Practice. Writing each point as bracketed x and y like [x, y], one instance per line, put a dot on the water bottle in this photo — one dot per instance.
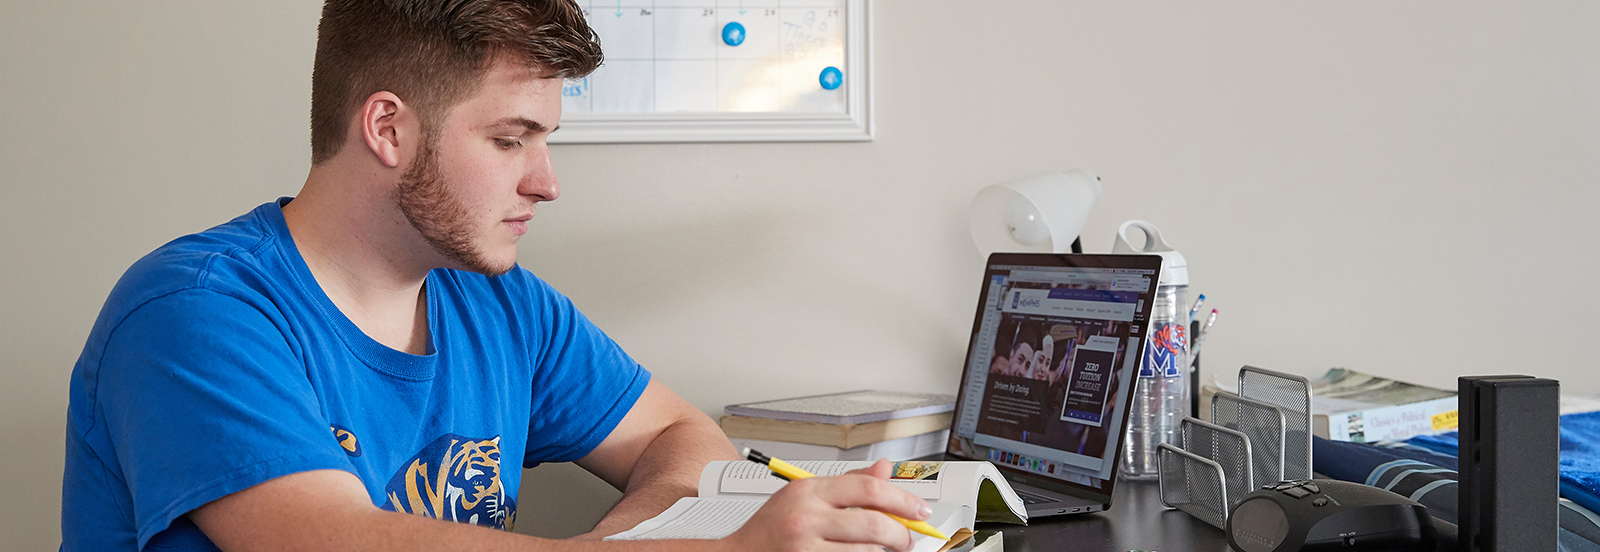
[1161, 392]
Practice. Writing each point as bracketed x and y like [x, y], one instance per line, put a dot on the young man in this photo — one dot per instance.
[344, 370]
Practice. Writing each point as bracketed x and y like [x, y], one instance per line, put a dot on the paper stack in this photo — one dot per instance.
[858, 425]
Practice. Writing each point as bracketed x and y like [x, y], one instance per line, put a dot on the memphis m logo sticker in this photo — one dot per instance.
[454, 478]
[1162, 355]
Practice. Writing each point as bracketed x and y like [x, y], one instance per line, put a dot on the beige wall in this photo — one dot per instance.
[1402, 188]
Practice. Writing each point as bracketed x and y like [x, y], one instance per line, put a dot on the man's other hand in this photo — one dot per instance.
[834, 513]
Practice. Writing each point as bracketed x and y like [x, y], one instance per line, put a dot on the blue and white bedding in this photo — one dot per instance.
[1424, 469]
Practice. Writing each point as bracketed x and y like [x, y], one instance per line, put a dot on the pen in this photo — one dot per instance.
[1200, 336]
[1194, 342]
[788, 472]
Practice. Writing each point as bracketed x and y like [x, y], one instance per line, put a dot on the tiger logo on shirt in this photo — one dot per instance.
[454, 478]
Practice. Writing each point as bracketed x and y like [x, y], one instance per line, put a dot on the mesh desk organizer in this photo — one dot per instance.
[1259, 437]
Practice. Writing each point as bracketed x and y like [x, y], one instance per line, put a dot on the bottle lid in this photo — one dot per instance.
[1174, 270]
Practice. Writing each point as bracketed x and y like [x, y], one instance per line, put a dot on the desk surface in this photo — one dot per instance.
[1137, 521]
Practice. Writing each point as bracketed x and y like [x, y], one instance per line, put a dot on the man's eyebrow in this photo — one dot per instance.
[524, 122]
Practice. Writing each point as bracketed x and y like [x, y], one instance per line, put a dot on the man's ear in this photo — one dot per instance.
[384, 121]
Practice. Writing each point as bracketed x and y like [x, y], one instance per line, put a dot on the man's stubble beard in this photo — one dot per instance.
[425, 199]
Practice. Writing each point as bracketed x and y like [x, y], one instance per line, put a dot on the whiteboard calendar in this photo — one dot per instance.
[723, 70]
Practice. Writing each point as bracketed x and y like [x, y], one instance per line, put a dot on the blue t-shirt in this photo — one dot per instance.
[218, 363]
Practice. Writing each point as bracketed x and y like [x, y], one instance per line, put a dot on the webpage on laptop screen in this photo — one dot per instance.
[1050, 366]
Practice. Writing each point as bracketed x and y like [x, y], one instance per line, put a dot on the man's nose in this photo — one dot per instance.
[540, 180]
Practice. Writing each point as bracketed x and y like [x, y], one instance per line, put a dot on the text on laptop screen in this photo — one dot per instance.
[1053, 357]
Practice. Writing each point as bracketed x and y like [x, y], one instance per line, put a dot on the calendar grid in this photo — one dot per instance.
[701, 56]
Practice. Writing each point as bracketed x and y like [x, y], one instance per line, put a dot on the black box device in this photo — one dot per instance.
[1325, 514]
[1510, 458]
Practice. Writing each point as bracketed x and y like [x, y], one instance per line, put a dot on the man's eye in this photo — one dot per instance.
[507, 144]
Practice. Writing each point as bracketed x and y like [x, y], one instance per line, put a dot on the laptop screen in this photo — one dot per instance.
[1055, 349]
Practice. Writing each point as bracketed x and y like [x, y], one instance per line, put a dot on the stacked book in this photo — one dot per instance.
[1363, 408]
[858, 425]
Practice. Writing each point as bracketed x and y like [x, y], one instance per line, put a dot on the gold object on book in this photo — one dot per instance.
[834, 435]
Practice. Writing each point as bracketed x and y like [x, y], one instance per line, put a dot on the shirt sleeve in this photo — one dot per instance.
[202, 397]
[583, 382]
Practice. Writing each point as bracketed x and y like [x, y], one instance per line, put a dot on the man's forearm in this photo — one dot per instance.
[330, 510]
[669, 469]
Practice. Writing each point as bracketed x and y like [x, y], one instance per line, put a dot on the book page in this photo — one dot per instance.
[949, 518]
[927, 480]
[715, 518]
[740, 477]
[732, 491]
[960, 481]
[935, 482]
[748, 479]
[695, 518]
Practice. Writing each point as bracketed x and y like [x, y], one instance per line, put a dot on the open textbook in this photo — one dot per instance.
[960, 494]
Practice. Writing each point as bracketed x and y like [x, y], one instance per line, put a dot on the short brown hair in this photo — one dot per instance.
[433, 53]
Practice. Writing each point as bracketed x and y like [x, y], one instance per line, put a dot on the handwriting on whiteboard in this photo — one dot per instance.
[809, 34]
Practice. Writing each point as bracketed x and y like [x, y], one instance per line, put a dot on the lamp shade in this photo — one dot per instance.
[1040, 213]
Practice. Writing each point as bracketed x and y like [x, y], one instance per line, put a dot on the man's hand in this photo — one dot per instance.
[826, 513]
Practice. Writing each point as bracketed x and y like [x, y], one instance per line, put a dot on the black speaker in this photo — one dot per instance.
[1327, 515]
[1510, 455]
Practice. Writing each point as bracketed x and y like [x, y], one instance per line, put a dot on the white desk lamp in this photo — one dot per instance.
[1040, 213]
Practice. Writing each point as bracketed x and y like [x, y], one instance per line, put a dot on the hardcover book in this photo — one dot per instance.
[1363, 408]
[834, 435]
[904, 448]
[853, 407]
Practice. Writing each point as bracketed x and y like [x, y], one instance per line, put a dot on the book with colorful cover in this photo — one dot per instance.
[1363, 408]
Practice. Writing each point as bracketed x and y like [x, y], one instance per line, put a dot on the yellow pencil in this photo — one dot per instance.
[790, 472]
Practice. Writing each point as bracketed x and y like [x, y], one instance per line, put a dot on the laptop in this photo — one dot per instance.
[1048, 384]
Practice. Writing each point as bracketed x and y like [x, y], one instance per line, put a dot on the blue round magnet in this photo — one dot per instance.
[732, 34]
[831, 78]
